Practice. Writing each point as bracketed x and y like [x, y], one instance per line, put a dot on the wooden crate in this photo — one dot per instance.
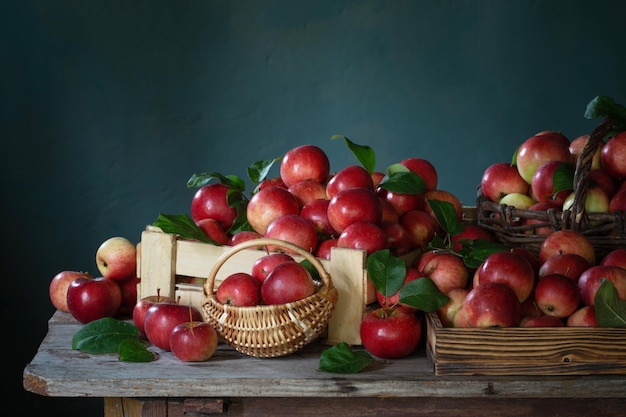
[525, 351]
[166, 262]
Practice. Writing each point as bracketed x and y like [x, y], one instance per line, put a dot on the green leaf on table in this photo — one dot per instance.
[134, 350]
[341, 359]
[364, 154]
[103, 335]
[182, 225]
[403, 182]
[422, 293]
[203, 178]
[386, 271]
[610, 309]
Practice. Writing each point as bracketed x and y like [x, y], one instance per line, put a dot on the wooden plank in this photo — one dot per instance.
[158, 260]
[58, 371]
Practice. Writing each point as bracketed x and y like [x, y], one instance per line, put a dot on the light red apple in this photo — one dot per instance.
[509, 269]
[518, 200]
[308, 190]
[589, 282]
[366, 236]
[244, 236]
[286, 283]
[500, 179]
[616, 257]
[447, 312]
[295, 229]
[567, 241]
[116, 258]
[304, 162]
[585, 316]
[538, 149]
[324, 248]
[446, 270]
[141, 308]
[59, 285]
[599, 177]
[316, 212]
[421, 227]
[596, 201]
[352, 176]
[214, 230]
[269, 204]
[557, 295]
[576, 147]
[444, 195]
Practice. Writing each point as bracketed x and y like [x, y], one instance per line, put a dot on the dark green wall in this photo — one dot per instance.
[108, 107]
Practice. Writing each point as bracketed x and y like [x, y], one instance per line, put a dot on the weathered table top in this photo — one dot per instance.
[58, 371]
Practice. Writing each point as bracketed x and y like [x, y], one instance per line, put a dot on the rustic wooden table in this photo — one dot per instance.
[236, 385]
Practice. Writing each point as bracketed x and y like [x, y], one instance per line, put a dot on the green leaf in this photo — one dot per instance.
[103, 335]
[403, 182]
[364, 154]
[422, 293]
[341, 359]
[563, 177]
[446, 216]
[386, 271]
[315, 274]
[603, 106]
[134, 350]
[610, 309]
[182, 225]
[475, 251]
[203, 178]
[259, 170]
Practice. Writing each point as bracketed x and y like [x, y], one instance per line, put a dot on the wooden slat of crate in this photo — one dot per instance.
[525, 351]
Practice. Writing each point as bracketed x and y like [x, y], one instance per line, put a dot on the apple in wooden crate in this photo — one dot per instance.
[585, 316]
[304, 162]
[353, 205]
[590, 281]
[211, 201]
[491, 304]
[507, 268]
[269, 204]
[352, 176]
[557, 295]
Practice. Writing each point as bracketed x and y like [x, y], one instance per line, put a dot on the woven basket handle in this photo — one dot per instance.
[265, 241]
[578, 218]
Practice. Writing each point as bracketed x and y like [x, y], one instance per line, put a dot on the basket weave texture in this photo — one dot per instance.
[267, 331]
[606, 231]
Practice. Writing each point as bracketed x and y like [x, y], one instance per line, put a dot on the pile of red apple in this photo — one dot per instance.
[317, 209]
[542, 172]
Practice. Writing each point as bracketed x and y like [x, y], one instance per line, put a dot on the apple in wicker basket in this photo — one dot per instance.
[287, 282]
[239, 289]
[265, 264]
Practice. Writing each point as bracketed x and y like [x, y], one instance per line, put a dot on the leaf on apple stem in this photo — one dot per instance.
[403, 182]
[182, 225]
[364, 154]
[201, 179]
[610, 309]
[423, 294]
[386, 271]
[342, 359]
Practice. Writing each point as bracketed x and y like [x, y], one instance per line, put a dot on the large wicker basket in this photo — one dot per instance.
[606, 231]
[266, 331]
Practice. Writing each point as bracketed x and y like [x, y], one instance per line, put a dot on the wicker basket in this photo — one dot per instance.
[606, 231]
[267, 331]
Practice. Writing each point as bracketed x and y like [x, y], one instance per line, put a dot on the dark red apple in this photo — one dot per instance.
[541, 321]
[128, 287]
[577, 145]
[614, 156]
[304, 162]
[618, 201]
[324, 248]
[401, 202]
[287, 282]
[471, 232]
[392, 333]
[540, 226]
[571, 265]
[353, 205]
[604, 180]
[210, 201]
[93, 299]
[557, 295]
[161, 318]
[589, 282]
[352, 176]
[264, 265]
[142, 306]
[193, 341]
[366, 236]
[239, 289]
[543, 182]
[244, 236]
[398, 239]
[394, 299]
[616, 257]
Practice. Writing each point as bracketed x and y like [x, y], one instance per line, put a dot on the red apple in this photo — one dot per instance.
[214, 230]
[555, 135]
[264, 265]
[447, 196]
[589, 282]
[567, 241]
[142, 306]
[576, 147]
[295, 229]
[353, 205]
[599, 177]
[470, 233]
[425, 169]
[316, 212]
[447, 312]
[618, 201]
[596, 201]
[211, 201]
[507, 268]
[529, 307]
[324, 248]
[445, 269]
[539, 226]
[538, 149]
[392, 333]
[557, 295]
[401, 202]
[286, 283]
[489, 305]
[244, 236]
[366, 236]
[614, 156]
[394, 299]
[616, 257]
[389, 213]
[571, 265]
[269, 204]
[193, 341]
[377, 177]
[59, 285]
[308, 190]
[543, 181]
[500, 179]
[352, 176]
[93, 299]
[527, 254]
[583, 317]
[271, 182]
[398, 239]
[239, 289]
[128, 287]
[421, 227]
[541, 321]
[304, 162]
[161, 318]
[116, 258]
